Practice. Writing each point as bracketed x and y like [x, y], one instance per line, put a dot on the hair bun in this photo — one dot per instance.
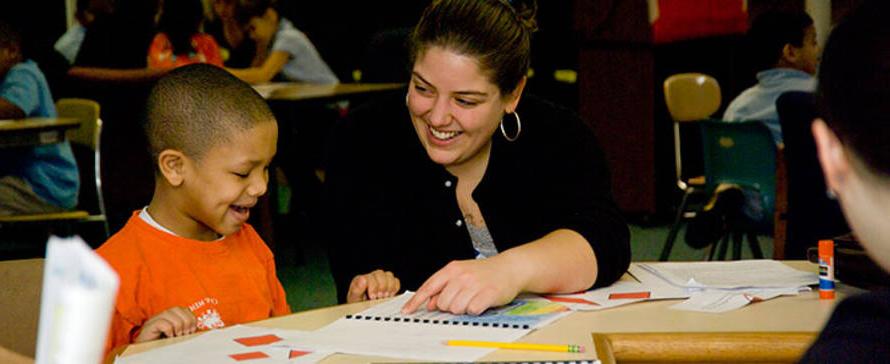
[526, 11]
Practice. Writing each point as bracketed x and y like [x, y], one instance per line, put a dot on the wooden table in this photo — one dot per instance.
[34, 131]
[295, 91]
[804, 314]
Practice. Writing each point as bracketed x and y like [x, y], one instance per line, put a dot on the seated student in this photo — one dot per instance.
[782, 46]
[280, 47]
[784, 50]
[188, 261]
[68, 45]
[238, 50]
[446, 191]
[854, 89]
[179, 40]
[38, 179]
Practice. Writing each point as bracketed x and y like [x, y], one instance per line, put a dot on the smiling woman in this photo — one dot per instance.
[458, 198]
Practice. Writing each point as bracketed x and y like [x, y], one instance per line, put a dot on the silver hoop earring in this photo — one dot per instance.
[406, 99]
[518, 128]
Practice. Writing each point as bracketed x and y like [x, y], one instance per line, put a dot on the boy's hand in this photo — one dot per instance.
[374, 285]
[175, 321]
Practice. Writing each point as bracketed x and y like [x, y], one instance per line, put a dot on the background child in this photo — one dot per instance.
[180, 41]
[35, 179]
[784, 51]
[280, 47]
[189, 261]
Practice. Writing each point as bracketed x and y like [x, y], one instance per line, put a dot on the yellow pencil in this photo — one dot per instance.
[517, 346]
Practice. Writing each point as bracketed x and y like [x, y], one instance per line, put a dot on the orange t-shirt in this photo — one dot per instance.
[224, 282]
[160, 53]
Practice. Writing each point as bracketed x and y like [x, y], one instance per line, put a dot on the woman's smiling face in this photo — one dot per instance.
[454, 106]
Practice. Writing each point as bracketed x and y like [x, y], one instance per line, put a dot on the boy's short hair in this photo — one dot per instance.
[196, 107]
[854, 84]
[771, 31]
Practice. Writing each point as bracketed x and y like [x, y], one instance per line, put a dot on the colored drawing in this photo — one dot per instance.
[533, 308]
[297, 353]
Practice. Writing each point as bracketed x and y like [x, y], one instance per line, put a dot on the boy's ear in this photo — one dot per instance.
[172, 165]
[790, 54]
[832, 156]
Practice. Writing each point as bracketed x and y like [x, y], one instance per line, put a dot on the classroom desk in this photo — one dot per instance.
[295, 91]
[34, 131]
[799, 314]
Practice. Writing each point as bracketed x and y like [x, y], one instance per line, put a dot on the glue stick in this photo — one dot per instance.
[826, 269]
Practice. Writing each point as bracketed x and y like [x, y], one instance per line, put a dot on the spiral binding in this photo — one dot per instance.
[438, 322]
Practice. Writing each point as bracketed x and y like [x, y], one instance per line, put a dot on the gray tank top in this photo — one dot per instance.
[482, 241]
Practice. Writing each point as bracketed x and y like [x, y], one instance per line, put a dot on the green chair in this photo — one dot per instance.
[743, 154]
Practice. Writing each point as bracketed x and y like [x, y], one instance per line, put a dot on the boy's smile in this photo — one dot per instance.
[219, 188]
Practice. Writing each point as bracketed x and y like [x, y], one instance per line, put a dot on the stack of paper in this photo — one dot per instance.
[709, 286]
[76, 303]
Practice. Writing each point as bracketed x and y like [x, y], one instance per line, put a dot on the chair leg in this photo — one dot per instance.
[737, 241]
[724, 245]
[672, 234]
[755, 246]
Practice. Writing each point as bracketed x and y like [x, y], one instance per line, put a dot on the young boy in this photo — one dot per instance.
[39, 179]
[853, 95]
[188, 261]
[785, 53]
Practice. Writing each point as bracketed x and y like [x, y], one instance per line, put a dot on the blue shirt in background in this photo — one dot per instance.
[305, 64]
[759, 101]
[50, 170]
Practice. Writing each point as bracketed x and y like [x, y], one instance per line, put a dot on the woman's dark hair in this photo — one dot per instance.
[854, 84]
[771, 31]
[180, 20]
[248, 9]
[495, 32]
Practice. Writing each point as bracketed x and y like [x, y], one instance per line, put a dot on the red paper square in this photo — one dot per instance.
[249, 356]
[258, 340]
[628, 295]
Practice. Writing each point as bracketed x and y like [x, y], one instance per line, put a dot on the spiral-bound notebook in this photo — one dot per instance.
[383, 331]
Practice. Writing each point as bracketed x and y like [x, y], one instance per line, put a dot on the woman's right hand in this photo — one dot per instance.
[374, 285]
[175, 321]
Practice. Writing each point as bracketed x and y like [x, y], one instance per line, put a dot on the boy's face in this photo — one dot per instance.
[809, 52]
[227, 181]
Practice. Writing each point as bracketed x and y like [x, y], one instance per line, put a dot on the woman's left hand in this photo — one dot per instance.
[466, 287]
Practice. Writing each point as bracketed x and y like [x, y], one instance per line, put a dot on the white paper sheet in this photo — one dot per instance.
[220, 346]
[618, 294]
[79, 289]
[717, 301]
[741, 274]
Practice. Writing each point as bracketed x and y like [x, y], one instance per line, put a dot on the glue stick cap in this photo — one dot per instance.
[826, 247]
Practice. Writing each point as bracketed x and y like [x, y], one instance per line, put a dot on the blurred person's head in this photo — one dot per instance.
[260, 18]
[10, 47]
[852, 138]
[783, 40]
[180, 20]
